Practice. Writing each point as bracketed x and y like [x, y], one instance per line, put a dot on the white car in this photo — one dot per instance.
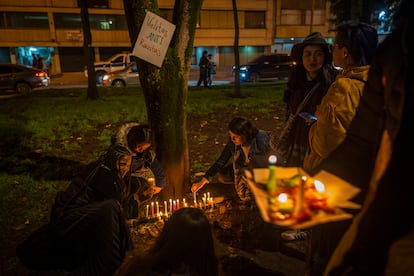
[125, 77]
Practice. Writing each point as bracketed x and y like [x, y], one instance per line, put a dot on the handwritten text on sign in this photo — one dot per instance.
[153, 39]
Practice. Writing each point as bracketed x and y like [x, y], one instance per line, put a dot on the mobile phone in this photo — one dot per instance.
[308, 117]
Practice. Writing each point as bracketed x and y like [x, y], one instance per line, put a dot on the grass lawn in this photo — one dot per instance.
[49, 134]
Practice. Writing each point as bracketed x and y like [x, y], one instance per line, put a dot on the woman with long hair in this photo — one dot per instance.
[185, 246]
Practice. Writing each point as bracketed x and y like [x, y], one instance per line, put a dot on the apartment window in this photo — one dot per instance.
[216, 19]
[96, 4]
[67, 21]
[30, 20]
[254, 19]
[318, 17]
[96, 21]
[291, 17]
[107, 22]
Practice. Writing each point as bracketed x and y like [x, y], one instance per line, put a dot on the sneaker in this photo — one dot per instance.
[294, 235]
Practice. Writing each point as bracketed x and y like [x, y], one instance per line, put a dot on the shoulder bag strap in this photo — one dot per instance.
[289, 123]
[306, 99]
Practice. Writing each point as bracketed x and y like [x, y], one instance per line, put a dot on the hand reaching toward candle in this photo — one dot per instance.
[197, 186]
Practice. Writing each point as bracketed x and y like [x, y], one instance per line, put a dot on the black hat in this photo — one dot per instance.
[314, 38]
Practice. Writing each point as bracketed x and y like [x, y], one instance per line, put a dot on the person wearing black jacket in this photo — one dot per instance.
[88, 232]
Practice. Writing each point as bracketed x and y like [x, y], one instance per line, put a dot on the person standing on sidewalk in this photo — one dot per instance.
[211, 70]
[204, 63]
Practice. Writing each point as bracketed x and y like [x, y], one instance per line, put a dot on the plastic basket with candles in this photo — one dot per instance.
[287, 196]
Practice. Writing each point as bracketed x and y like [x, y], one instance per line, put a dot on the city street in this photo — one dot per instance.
[78, 79]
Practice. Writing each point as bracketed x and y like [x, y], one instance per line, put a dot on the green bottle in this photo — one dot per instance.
[271, 181]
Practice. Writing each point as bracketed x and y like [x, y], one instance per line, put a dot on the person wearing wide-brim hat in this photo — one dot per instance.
[313, 72]
[314, 38]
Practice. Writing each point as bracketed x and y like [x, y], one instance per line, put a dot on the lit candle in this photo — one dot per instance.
[285, 203]
[147, 212]
[184, 203]
[318, 199]
[212, 202]
[158, 209]
[204, 200]
[152, 209]
[151, 181]
[171, 208]
[319, 186]
[174, 205]
[208, 195]
[195, 196]
[178, 204]
[165, 207]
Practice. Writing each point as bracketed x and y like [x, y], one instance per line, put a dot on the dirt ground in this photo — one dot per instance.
[245, 244]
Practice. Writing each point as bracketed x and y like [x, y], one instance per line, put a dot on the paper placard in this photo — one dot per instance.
[153, 39]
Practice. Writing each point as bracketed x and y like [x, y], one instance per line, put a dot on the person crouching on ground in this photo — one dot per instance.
[88, 231]
[248, 147]
[147, 175]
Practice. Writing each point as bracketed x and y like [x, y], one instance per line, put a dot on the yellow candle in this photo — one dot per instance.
[300, 195]
[285, 203]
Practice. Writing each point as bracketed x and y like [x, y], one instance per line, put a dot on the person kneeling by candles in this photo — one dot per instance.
[146, 175]
[87, 233]
[248, 147]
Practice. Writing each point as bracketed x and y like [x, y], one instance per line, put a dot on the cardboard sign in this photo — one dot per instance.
[153, 39]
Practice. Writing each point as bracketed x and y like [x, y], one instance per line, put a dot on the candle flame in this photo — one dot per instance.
[272, 159]
[319, 186]
[283, 197]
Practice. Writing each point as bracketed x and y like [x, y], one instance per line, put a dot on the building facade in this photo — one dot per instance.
[53, 29]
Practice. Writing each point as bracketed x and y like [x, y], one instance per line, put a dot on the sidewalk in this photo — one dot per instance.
[223, 76]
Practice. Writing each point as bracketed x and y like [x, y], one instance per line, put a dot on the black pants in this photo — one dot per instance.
[203, 76]
[92, 239]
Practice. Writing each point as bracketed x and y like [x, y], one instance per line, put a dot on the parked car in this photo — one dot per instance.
[114, 63]
[266, 67]
[22, 79]
[125, 77]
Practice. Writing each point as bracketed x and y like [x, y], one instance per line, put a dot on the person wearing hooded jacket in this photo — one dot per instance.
[146, 175]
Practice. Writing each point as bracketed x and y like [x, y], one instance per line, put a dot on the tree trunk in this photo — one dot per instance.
[166, 88]
[236, 52]
[88, 51]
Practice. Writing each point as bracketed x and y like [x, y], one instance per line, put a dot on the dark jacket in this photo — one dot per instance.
[258, 155]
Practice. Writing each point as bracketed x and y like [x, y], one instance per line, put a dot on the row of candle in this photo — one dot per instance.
[206, 202]
[154, 210]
